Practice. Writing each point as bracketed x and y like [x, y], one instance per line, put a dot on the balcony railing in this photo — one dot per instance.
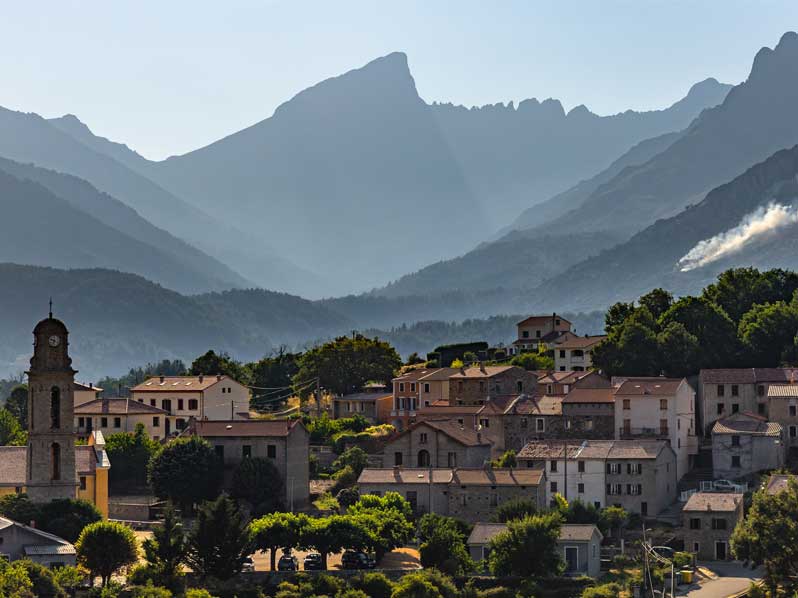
[626, 432]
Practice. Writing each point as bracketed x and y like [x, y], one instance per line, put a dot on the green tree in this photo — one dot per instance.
[212, 363]
[767, 537]
[219, 541]
[130, 454]
[578, 511]
[105, 547]
[617, 315]
[19, 508]
[186, 471]
[354, 457]
[679, 350]
[258, 481]
[66, 517]
[428, 583]
[14, 580]
[43, 581]
[613, 519]
[470, 357]
[631, 348]
[374, 585]
[737, 290]
[69, 578]
[414, 359]
[347, 497]
[11, 432]
[767, 331]
[715, 331]
[533, 361]
[346, 364]
[17, 404]
[272, 373]
[166, 551]
[333, 534]
[528, 548]
[507, 459]
[517, 508]
[657, 302]
[444, 548]
[278, 531]
[386, 518]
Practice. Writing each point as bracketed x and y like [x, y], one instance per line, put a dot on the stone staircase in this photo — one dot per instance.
[692, 480]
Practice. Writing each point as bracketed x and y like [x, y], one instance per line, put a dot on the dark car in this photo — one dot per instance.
[312, 562]
[287, 562]
[352, 559]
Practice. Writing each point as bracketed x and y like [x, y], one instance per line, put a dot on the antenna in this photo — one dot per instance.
[51, 308]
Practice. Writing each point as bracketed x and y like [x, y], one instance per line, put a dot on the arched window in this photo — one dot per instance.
[423, 458]
[55, 407]
[55, 461]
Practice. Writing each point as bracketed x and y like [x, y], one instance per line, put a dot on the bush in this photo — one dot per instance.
[375, 585]
[347, 497]
[198, 593]
[344, 478]
[682, 559]
[148, 591]
[607, 590]
[67, 517]
[43, 580]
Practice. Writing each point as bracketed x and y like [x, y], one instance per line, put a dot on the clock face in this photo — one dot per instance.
[54, 341]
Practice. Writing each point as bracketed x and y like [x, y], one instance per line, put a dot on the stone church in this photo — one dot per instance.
[51, 466]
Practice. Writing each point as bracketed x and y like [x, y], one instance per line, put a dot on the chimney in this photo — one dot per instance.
[482, 367]
[201, 378]
[162, 378]
[218, 377]
[479, 436]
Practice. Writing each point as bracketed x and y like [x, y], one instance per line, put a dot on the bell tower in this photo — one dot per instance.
[51, 435]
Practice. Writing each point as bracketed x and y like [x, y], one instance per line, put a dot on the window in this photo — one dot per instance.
[721, 408]
[663, 404]
[55, 461]
[760, 390]
[152, 402]
[81, 422]
[104, 422]
[735, 390]
[721, 390]
[423, 458]
[519, 386]
[760, 409]
[695, 523]
[580, 466]
[588, 424]
[735, 407]
[562, 353]
[614, 468]
[459, 386]
[553, 487]
[422, 438]
[193, 404]
[484, 422]
[219, 450]
[117, 422]
[401, 387]
[460, 420]
[83, 482]
[719, 524]
[634, 468]
[412, 387]
[553, 466]
[426, 387]
[481, 386]
[735, 441]
[180, 423]
[537, 333]
[166, 404]
[271, 451]
[246, 451]
[156, 422]
[580, 488]
[494, 500]
[627, 404]
[525, 334]
[55, 407]
[548, 389]
[663, 427]
[451, 459]
[540, 424]
[736, 461]
[397, 458]
[180, 404]
[792, 410]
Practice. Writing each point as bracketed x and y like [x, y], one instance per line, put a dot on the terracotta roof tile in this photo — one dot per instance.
[487, 371]
[581, 342]
[178, 383]
[720, 502]
[541, 319]
[748, 375]
[746, 423]
[464, 434]
[590, 395]
[542, 405]
[400, 475]
[250, 428]
[117, 406]
[497, 477]
[655, 386]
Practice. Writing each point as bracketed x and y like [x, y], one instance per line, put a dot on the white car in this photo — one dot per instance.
[724, 486]
[248, 566]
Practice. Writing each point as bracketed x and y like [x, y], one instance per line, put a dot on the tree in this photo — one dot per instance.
[14, 580]
[17, 404]
[737, 290]
[278, 531]
[67, 517]
[186, 471]
[528, 548]
[427, 583]
[767, 537]
[212, 363]
[470, 357]
[332, 534]
[19, 508]
[105, 547]
[444, 547]
[766, 331]
[414, 359]
[578, 511]
[166, 550]
[507, 459]
[354, 457]
[130, 454]
[386, 518]
[374, 585]
[533, 361]
[346, 364]
[616, 315]
[220, 540]
[517, 508]
[69, 578]
[11, 432]
[715, 331]
[657, 301]
[274, 372]
[258, 481]
[679, 350]
[347, 497]
[613, 519]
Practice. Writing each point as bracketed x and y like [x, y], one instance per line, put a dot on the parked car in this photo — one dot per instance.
[666, 552]
[352, 559]
[312, 562]
[724, 486]
[248, 566]
[288, 562]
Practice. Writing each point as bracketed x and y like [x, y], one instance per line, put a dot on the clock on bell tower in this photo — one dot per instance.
[51, 435]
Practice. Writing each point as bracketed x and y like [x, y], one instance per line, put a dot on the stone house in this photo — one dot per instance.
[532, 418]
[475, 385]
[114, 415]
[219, 398]
[561, 383]
[437, 443]
[18, 541]
[579, 545]
[724, 392]
[469, 494]
[638, 475]
[589, 413]
[575, 354]
[536, 330]
[783, 409]
[366, 404]
[744, 443]
[284, 442]
[658, 408]
[709, 518]
[411, 393]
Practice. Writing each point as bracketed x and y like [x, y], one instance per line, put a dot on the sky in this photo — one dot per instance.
[167, 77]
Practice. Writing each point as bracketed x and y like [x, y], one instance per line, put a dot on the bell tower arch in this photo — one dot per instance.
[51, 435]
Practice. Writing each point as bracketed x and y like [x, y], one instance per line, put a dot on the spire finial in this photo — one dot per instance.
[51, 308]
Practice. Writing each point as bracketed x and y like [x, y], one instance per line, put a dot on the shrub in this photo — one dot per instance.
[607, 590]
[67, 517]
[682, 559]
[43, 580]
[375, 585]
[198, 593]
[148, 591]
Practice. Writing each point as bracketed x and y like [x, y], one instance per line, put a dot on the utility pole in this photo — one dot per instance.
[318, 397]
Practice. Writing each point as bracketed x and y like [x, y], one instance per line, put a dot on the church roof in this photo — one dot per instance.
[13, 463]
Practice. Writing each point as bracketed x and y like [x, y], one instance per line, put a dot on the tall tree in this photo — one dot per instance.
[130, 454]
[657, 302]
[220, 540]
[678, 350]
[186, 471]
[528, 548]
[166, 550]
[11, 432]
[272, 373]
[258, 481]
[346, 364]
[767, 331]
[17, 404]
[332, 534]
[278, 531]
[212, 363]
[105, 547]
[715, 331]
[67, 517]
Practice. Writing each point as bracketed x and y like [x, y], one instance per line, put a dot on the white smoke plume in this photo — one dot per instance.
[760, 223]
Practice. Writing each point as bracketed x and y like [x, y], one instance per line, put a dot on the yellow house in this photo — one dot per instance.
[91, 469]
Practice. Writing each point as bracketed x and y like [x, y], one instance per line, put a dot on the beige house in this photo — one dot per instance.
[114, 415]
[475, 385]
[709, 518]
[201, 397]
[437, 443]
[658, 408]
[744, 443]
[536, 330]
[561, 383]
[783, 409]
[589, 412]
[575, 354]
[284, 442]
[84, 393]
[18, 541]
[366, 404]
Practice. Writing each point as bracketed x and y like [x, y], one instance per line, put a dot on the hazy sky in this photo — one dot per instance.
[169, 76]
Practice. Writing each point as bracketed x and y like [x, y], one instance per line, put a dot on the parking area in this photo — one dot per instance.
[401, 558]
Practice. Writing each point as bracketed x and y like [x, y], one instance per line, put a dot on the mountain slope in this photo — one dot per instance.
[117, 320]
[191, 270]
[652, 257]
[514, 157]
[757, 118]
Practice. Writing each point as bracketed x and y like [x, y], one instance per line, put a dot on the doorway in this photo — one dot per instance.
[720, 551]
[571, 559]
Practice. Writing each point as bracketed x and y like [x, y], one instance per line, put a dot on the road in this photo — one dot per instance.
[401, 558]
[732, 579]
